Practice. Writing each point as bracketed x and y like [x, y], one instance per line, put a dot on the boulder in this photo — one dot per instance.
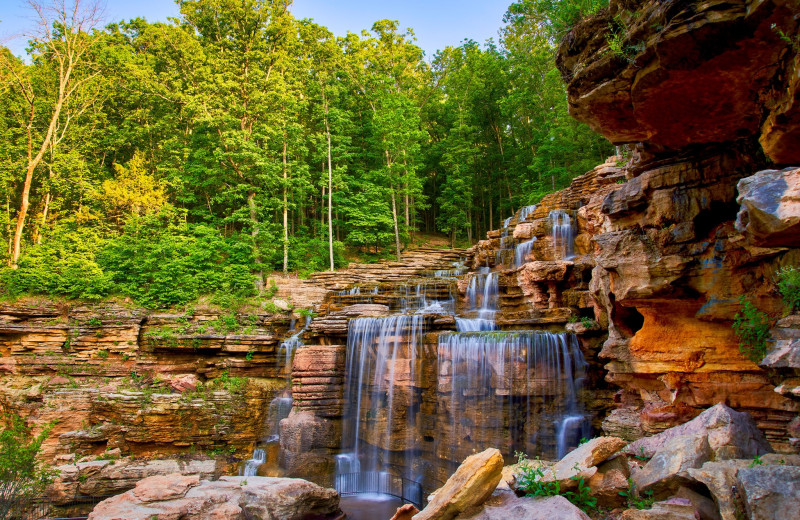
[611, 479]
[507, 506]
[769, 214]
[771, 492]
[667, 470]
[730, 434]
[705, 506]
[672, 509]
[587, 455]
[720, 479]
[231, 498]
[524, 231]
[471, 484]
[405, 512]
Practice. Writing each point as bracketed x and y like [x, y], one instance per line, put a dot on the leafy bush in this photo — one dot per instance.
[752, 328]
[788, 280]
[64, 264]
[168, 263]
[530, 479]
[635, 499]
[22, 477]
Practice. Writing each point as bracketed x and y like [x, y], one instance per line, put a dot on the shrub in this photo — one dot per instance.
[752, 328]
[788, 280]
[22, 477]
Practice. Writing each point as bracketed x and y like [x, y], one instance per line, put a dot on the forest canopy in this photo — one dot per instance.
[164, 161]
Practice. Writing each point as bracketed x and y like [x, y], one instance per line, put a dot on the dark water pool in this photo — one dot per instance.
[370, 506]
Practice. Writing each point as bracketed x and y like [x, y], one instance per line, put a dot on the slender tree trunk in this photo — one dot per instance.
[251, 204]
[285, 212]
[330, 188]
[396, 228]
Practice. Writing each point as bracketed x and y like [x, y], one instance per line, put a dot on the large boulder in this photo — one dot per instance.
[771, 492]
[587, 455]
[769, 215]
[718, 433]
[471, 485]
[507, 506]
[730, 434]
[720, 479]
[186, 497]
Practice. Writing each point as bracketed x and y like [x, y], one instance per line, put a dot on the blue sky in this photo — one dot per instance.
[436, 23]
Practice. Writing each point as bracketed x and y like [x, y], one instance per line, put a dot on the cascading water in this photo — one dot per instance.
[526, 211]
[250, 468]
[482, 299]
[563, 234]
[381, 365]
[499, 381]
[522, 251]
[515, 390]
[281, 405]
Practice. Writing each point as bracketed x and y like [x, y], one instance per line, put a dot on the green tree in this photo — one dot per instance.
[22, 476]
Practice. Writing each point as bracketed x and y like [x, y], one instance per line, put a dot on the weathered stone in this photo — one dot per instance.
[611, 479]
[110, 477]
[720, 479]
[730, 435]
[586, 456]
[308, 445]
[664, 86]
[507, 506]
[405, 512]
[471, 484]
[771, 492]
[666, 471]
[230, 498]
[704, 506]
[770, 208]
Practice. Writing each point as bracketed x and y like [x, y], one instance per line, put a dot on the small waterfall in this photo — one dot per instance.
[381, 361]
[563, 234]
[430, 295]
[290, 345]
[522, 251]
[279, 409]
[525, 212]
[481, 295]
[250, 468]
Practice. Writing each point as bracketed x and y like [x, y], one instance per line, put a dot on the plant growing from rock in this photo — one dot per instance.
[22, 477]
[788, 281]
[636, 500]
[752, 328]
[529, 478]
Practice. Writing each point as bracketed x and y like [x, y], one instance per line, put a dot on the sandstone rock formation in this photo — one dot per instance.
[471, 484]
[231, 498]
[506, 506]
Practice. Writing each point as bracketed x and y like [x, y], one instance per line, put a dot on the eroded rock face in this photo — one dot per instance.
[687, 73]
[231, 498]
[771, 492]
[770, 208]
[507, 505]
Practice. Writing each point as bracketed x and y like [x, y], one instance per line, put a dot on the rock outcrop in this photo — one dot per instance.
[231, 498]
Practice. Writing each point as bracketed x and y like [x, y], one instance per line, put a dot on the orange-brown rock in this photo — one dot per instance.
[686, 73]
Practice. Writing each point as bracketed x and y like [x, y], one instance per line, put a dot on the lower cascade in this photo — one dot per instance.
[419, 399]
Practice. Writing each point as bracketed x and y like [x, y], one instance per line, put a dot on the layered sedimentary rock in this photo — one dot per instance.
[701, 94]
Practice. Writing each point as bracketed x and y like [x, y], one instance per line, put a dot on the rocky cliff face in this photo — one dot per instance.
[703, 96]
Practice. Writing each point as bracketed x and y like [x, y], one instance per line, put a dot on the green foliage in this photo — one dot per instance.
[788, 280]
[529, 478]
[756, 462]
[637, 500]
[22, 476]
[752, 328]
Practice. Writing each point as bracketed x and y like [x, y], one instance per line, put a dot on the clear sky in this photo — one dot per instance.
[436, 23]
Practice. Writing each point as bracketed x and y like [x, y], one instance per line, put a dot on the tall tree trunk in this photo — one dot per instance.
[251, 204]
[330, 188]
[285, 212]
[394, 209]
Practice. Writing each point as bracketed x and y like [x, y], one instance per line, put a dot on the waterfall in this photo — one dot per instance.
[522, 251]
[481, 295]
[279, 409]
[250, 468]
[525, 212]
[381, 360]
[563, 234]
[517, 386]
[289, 346]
